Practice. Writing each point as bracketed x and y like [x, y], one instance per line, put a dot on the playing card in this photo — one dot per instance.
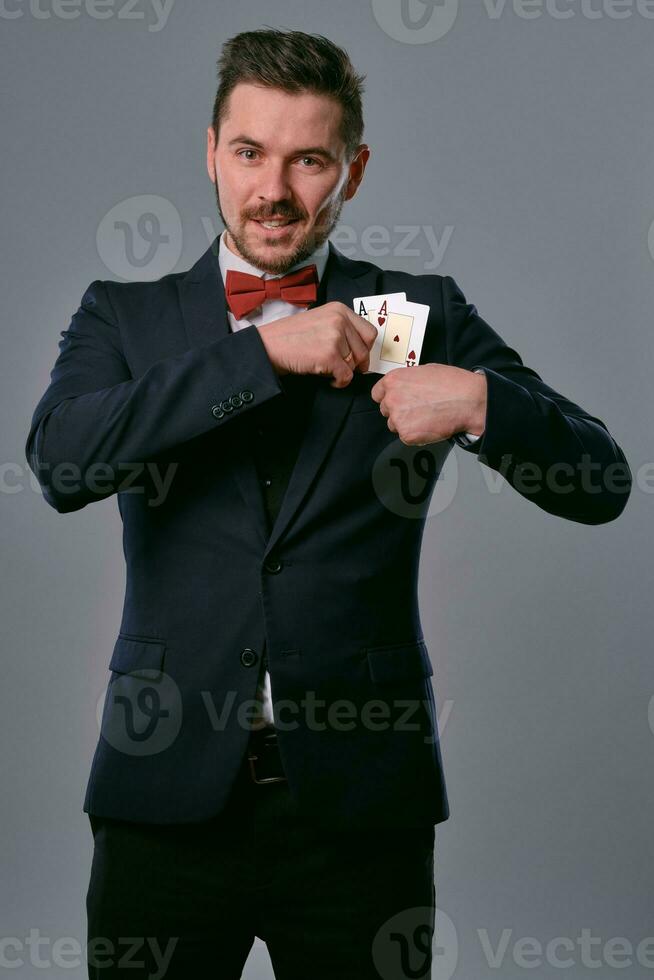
[400, 327]
[375, 308]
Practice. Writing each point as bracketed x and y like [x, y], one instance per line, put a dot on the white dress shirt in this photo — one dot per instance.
[271, 310]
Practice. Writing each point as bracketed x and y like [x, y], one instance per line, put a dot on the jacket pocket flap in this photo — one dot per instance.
[399, 661]
[130, 655]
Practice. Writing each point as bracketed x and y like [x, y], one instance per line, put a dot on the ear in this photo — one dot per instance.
[357, 167]
[211, 151]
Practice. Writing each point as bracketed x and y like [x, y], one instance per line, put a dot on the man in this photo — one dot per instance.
[269, 762]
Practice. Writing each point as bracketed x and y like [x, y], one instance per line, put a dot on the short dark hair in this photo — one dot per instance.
[292, 61]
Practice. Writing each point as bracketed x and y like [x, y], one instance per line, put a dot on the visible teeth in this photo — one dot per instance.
[274, 224]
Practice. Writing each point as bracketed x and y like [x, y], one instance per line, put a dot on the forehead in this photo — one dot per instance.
[282, 119]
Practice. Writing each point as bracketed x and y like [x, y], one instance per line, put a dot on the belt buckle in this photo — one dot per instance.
[253, 757]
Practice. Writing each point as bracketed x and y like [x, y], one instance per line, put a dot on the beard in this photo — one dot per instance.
[302, 249]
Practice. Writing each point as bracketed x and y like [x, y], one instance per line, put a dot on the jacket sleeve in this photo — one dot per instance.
[94, 421]
[548, 448]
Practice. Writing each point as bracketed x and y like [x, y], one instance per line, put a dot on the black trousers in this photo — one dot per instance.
[187, 900]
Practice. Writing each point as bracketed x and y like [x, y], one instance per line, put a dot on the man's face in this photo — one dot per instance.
[280, 156]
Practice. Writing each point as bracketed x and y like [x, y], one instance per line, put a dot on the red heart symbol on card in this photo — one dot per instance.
[381, 320]
[396, 339]
[412, 355]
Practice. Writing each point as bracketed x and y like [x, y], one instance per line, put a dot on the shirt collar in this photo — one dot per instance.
[229, 260]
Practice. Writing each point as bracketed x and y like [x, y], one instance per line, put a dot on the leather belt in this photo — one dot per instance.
[264, 760]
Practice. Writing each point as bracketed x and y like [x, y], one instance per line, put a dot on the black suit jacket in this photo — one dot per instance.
[150, 380]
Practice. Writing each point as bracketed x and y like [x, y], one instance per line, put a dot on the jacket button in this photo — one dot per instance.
[248, 657]
[226, 405]
[247, 395]
[217, 411]
[236, 401]
[273, 565]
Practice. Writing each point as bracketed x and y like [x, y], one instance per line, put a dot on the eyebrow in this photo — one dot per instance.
[303, 151]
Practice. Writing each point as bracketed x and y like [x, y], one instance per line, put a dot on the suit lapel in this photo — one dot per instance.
[202, 300]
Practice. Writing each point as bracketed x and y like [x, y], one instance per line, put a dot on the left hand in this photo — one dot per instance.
[431, 402]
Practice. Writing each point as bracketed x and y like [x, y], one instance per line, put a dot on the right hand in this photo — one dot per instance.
[317, 341]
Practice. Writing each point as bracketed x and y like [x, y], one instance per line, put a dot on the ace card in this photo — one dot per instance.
[400, 329]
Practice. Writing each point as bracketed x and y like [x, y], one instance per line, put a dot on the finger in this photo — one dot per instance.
[342, 374]
[359, 349]
[377, 391]
[366, 331]
[342, 370]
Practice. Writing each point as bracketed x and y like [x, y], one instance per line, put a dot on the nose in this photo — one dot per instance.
[274, 184]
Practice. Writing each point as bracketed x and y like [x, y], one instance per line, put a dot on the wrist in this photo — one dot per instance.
[476, 420]
[268, 336]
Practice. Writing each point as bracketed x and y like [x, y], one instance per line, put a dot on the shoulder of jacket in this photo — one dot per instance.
[394, 280]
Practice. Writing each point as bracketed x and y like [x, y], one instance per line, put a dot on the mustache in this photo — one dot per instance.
[276, 212]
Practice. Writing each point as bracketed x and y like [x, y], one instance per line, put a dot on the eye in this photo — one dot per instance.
[246, 150]
[312, 161]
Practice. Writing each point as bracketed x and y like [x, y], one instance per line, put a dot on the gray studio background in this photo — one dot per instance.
[522, 142]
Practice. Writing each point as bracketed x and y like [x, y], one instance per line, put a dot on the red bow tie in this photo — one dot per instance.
[244, 292]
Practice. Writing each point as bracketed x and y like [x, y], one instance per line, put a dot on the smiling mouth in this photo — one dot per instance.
[272, 223]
